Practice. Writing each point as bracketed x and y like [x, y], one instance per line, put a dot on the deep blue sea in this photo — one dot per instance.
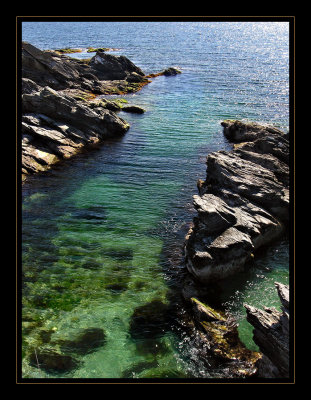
[102, 235]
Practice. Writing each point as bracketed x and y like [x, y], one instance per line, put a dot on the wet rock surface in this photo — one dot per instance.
[271, 334]
[242, 205]
[55, 127]
[215, 339]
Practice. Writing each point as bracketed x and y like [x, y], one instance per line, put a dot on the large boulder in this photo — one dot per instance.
[47, 69]
[110, 67]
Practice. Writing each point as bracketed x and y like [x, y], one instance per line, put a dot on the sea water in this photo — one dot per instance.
[103, 233]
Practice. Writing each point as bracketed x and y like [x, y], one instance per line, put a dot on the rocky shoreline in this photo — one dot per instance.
[63, 110]
[242, 205]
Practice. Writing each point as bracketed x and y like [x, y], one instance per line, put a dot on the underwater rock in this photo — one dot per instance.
[163, 373]
[117, 287]
[136, 369]
[51, 361]
[150, 320]
[271, 334]
[242, 205]
[118, 254]
[88, 341]
[92, 265]
[151, 346]
[91, 213]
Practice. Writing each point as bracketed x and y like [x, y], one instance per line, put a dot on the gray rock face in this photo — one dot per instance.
[110, 67]
[62, 72]
[243, 203]
[56, 127]
[57, 121]
[271, 334]
[60, 116]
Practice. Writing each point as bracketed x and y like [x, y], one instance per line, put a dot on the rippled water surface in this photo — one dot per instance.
[102, 235]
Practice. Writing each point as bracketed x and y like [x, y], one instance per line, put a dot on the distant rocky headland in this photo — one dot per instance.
[63, 110]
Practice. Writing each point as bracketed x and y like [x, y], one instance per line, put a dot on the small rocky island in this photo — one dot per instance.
[63, 110]
[242, 205]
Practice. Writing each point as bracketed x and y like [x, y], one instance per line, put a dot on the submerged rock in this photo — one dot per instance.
[242, 205]
[150, 320]
[271, 334]
[51, 361]
[88, 341]
[136, 369]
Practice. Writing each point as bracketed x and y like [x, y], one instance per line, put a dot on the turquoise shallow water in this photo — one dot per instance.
[102, 235]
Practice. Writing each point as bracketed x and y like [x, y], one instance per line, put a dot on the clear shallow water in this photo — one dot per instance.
[102, 235]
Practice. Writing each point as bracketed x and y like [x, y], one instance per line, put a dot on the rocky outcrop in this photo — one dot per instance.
[243, 204]
[56, 127]
[102, 73]
[60, 116]
[271, 334]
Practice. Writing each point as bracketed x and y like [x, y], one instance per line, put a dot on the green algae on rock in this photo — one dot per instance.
[67, 50]
[219, 332]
